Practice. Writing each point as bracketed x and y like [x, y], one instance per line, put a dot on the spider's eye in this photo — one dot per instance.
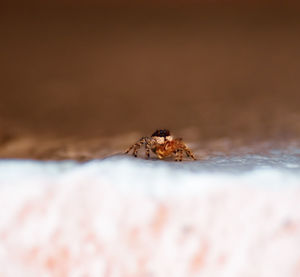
[161, 133]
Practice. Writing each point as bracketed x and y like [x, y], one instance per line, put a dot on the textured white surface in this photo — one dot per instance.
[236, 216]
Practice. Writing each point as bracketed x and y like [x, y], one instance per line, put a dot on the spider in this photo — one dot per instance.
[163, 145]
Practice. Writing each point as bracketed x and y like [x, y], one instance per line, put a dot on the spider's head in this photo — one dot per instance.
[161, 133]
[161, 136]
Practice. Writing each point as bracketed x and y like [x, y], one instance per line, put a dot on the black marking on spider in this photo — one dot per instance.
[161, 133]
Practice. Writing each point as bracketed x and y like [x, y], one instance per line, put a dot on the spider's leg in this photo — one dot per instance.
[179, 154]
[146, 142]
[188, 152]
[137, 146]
[128, 150]
[147, 146]
[135, 150]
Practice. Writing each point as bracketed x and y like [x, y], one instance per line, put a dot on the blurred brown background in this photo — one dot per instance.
[86, 71]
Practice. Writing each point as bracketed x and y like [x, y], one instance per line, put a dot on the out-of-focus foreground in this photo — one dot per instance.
[124, 217]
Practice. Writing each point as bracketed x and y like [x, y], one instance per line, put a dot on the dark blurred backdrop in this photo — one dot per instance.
[89, 69]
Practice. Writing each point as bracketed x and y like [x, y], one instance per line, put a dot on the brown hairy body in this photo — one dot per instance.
[163, 145]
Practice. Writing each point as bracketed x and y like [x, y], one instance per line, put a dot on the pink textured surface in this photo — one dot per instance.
[79, 224]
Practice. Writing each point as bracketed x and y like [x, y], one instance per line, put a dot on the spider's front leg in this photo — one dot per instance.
[137, 146]
[188, 152]
[182, 148]
[178, 155]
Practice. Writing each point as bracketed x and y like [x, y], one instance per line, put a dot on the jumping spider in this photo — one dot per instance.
[163, 145]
